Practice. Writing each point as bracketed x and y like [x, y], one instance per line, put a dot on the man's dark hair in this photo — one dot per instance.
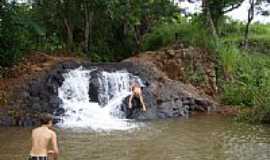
[45, 118]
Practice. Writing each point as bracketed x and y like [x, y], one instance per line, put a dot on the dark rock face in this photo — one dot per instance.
[40, 95]
[6, 121]
[136, 111]
[44, 91]
[164, 98]
[94, 87]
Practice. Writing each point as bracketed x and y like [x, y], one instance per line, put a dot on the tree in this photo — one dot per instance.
[214, 11]
[91, 25]
[16, 31]
[209, 18]
[113, 29]
[139, 16]
[253, 6]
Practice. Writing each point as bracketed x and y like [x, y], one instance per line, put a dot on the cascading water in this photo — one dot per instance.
[81, 112]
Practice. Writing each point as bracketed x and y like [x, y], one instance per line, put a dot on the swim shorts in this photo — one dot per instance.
[37, 158]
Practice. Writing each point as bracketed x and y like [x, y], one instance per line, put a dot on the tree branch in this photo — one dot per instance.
[232, 8]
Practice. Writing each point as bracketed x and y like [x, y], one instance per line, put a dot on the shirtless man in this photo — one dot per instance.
[41, 138]
[136, 91]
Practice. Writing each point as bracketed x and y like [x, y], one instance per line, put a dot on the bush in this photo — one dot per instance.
[183, 30]
[161, 36]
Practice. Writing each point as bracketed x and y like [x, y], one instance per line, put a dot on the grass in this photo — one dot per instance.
[259, 37]
[250, 86]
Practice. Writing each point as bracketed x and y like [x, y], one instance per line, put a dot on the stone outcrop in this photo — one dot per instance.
[164, 73]
[35, 91]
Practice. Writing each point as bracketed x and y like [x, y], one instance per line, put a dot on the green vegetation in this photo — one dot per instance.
[259, 39]
[250, 87]
[248, 69]
[100, 29]
[190, 32]
[244, 75]
[15, 33]
[112, 30]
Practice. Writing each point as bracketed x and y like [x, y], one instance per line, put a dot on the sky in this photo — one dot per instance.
[237, 14]
[242, 12]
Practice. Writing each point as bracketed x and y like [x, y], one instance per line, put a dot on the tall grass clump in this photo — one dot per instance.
[249, 87]
[228, 55]
[245, 74]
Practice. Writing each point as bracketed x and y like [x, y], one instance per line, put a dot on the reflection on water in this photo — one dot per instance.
[199, 138]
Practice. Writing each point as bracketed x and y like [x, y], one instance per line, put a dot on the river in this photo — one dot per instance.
[203, 137]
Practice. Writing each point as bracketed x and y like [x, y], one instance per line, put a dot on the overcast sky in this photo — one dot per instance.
[237, 14]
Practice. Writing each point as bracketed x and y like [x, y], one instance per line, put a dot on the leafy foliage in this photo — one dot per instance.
[16, 32]
[110, 30]
[248, 86]
[188, 32]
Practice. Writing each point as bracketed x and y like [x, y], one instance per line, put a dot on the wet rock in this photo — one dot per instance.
[25, 94]
[27, 122]
[55, 102]
[59, 111]
[36, 107]
[136, 111]
[94, 87]
[68, 65]
[133, 112]
[34, 89]
[6, 121]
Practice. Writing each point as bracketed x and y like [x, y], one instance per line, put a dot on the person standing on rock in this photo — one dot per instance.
[137, 92]
[41, 138]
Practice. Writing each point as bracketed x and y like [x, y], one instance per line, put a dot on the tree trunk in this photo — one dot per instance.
[250, 18]
[140, 31]
[69, 34]
[126, 24]
[246, 35]
[69, 30]
[137, 38]
[209, 19]
[88, 27]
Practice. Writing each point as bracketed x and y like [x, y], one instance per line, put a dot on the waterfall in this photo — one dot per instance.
[80, 111]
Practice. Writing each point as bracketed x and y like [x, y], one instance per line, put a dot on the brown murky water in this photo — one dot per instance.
[200, 138]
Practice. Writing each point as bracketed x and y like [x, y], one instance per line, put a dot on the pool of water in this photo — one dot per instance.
[204, 137]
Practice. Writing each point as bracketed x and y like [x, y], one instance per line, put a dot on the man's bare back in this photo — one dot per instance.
[42, 137]
[136, 90]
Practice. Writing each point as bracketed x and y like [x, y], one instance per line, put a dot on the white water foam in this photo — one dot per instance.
[82, 113]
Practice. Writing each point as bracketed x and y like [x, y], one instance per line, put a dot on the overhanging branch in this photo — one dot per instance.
[232, 8]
